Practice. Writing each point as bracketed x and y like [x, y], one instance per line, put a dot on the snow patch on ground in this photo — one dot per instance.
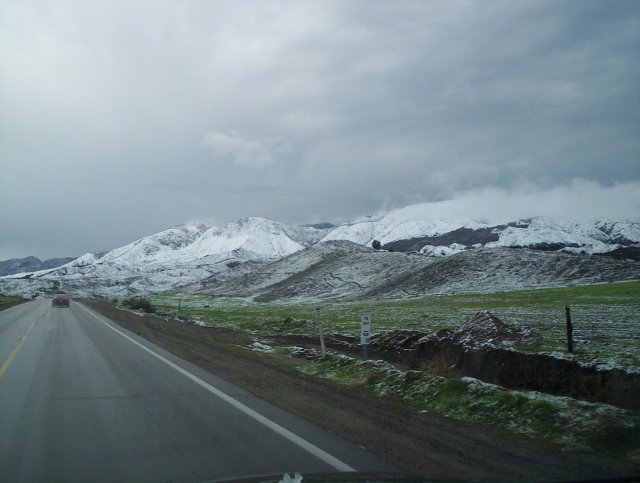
[568, 423]
[260, 347]
[442, 251]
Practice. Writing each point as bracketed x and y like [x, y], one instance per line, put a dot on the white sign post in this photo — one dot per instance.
[365, 333]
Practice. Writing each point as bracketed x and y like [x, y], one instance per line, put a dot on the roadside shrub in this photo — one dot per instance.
[139, 303]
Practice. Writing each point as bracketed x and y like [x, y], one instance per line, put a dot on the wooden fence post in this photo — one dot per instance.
[567, 316]
[321, 329]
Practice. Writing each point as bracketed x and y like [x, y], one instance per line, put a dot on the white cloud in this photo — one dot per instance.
[247, 151]
[578, 201]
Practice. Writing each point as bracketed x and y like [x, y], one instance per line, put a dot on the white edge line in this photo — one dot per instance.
[285, 433]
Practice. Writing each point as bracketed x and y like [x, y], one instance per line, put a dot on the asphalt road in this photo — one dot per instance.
[82, 399]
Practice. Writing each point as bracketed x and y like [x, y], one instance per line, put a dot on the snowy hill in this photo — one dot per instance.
[256, 256]
[419, 228]
[405, 223]
[341, 270]
[173, 258]
[328, 270]
[246, 239]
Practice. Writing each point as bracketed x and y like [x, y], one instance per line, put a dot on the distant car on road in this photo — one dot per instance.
[60, 300]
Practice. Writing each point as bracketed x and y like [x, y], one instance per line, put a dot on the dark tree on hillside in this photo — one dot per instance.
[376, 245]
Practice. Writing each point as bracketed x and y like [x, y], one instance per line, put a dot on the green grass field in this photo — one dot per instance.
[8, 299]
[606, 317]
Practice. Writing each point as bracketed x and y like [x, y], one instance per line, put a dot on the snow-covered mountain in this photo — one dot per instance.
[202, 257]
[245, 239]
[419, 228]
[30, 264]
[173, 258]
[405, 223]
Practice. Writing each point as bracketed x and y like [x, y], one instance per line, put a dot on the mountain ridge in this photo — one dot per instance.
[30, 264]
[200, 256]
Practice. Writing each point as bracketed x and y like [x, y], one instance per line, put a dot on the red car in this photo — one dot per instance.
[60, 301]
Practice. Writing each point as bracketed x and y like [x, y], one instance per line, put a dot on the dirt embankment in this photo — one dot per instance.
[538, 372]
[471, 351]
[422, 444]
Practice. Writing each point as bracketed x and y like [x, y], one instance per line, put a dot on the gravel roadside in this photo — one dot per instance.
[423, 444]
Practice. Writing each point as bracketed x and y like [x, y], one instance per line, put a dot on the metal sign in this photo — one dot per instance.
[365, 329]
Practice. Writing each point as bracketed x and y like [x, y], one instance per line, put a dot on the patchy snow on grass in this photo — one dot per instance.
[605, 317]
[201, 323]
[567, 423]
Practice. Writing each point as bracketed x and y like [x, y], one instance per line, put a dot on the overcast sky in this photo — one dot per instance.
[121, 118]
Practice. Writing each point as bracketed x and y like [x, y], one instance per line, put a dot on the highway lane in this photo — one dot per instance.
[81, 399]
[14, 323]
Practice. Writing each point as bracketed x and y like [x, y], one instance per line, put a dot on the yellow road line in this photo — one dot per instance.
[18, 346]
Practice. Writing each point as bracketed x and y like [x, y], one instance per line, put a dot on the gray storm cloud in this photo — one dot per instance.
[122, 118]
[248, 151]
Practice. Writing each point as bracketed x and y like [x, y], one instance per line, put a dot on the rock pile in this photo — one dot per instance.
[486, 328]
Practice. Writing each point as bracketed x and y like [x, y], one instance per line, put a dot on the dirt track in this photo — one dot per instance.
[423, 444]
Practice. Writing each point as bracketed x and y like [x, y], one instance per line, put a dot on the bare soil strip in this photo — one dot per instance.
[422, 444]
